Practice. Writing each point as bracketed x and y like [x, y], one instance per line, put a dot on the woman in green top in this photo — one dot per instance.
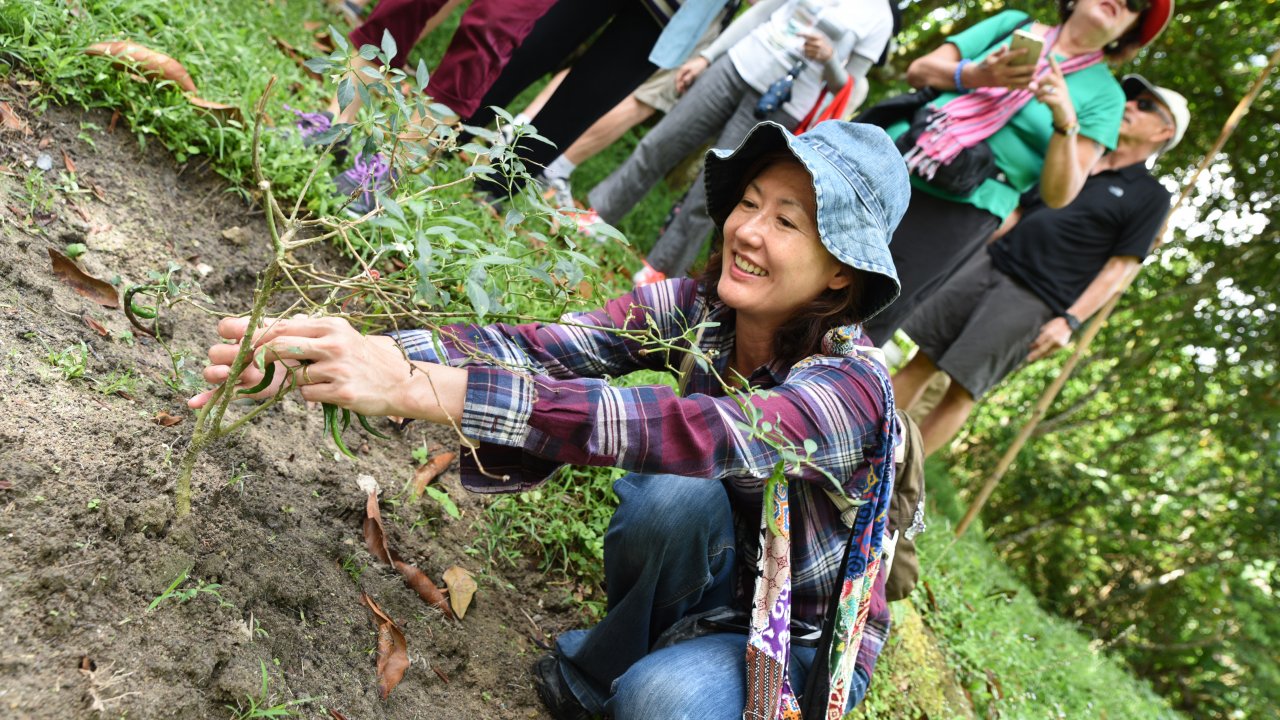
[1045, 121]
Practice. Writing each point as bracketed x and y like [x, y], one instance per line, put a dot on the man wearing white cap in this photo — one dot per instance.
[1024, 297]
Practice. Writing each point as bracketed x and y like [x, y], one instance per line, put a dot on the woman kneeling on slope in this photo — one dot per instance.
[719, 524]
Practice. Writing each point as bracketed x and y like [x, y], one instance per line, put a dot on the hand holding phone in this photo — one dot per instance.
[1029, 41]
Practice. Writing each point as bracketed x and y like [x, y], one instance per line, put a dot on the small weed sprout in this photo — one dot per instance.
[261, 707]
[120, 381]
[71, 361]
[188, 594]
[239, 476]
[352, 566]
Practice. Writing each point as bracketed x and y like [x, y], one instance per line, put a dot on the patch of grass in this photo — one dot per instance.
[120, 381]
[1013, 659]
[261, 706]
[70, 361]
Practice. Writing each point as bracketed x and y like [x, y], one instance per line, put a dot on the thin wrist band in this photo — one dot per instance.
[960, 88]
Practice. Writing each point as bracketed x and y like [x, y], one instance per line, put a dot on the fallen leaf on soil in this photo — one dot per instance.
[423, 476]
[164, 419]
[94, 325]
[10, 120]
[462, 587]
[336, 715]
[6, 485]
[115, 118]
[393, 651]
[91, 287]
[312, 25]
[151, 63]
[585, 289]
[440, 674]
[375, 537]
[68, 163]
[421, 584]
[97, 192]
[45, 142]
[993, 684]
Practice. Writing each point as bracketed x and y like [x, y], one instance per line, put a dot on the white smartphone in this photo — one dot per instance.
[1033, 43]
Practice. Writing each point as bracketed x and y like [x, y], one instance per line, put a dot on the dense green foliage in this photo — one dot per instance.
[1008, 656]
[1145, 505]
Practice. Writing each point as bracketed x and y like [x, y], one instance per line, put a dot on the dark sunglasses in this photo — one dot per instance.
[1148, 105]
[1138, 6]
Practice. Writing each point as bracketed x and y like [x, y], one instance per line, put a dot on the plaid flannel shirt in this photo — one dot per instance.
[538, 397]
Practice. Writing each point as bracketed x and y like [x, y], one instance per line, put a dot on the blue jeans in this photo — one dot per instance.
[669, 552]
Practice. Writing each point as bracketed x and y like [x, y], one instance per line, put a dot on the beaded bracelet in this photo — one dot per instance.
[959, 69]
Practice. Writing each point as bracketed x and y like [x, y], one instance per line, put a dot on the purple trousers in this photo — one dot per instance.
[489, 33]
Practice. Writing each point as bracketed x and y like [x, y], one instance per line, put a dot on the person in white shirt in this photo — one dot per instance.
[832, 41]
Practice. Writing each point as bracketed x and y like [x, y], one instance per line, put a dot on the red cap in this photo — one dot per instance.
[1154, 21]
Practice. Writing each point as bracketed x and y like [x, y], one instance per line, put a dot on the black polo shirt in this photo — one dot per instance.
[1057, 253]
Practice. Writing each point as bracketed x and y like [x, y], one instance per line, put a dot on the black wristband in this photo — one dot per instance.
[1073, 322]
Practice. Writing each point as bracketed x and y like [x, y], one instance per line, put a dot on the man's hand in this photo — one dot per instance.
[1054, 335]
[689, 72]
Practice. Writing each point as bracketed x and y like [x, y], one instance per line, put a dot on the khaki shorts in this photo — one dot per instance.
[659, 91]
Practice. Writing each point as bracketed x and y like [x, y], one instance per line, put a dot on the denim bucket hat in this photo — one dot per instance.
[859, 181]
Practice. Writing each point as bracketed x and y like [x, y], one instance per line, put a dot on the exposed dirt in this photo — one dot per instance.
[87, 527]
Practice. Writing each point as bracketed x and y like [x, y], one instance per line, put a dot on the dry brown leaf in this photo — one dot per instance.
[45, 142]
[586, 289]
[336, 715]
[68, 163]
[312, 25]
[462, 587]
[10, 120]
[375, 537]
[421, 584]
[6, 485]
[94, 325]
[393, 651]
[150, 63]
[164, 419]
[423, 476]
[91, 287]
[220, 110]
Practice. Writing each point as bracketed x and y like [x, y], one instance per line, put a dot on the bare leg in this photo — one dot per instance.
[441, 15]
[544, 95]
[941, 425]
[910, 381]
[611, 126]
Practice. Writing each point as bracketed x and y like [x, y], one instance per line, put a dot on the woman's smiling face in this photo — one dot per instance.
[774, 264]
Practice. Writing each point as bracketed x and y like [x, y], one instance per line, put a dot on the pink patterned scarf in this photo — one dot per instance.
[972, 118]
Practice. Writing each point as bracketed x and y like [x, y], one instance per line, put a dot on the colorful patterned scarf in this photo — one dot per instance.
[769, 692]
[972, 118]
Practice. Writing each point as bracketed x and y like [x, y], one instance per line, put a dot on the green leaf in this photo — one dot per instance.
[478, 297]
[339, 39]
[445, 501]
[422, 75]
[346, 93]
[388, 45]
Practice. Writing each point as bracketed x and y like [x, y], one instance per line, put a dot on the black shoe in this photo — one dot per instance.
[554, 691]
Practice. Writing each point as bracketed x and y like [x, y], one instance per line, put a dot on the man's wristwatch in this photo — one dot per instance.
[1070, 131]
[1073, 322]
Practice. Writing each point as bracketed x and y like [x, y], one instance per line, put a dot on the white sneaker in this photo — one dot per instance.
[556, 191]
